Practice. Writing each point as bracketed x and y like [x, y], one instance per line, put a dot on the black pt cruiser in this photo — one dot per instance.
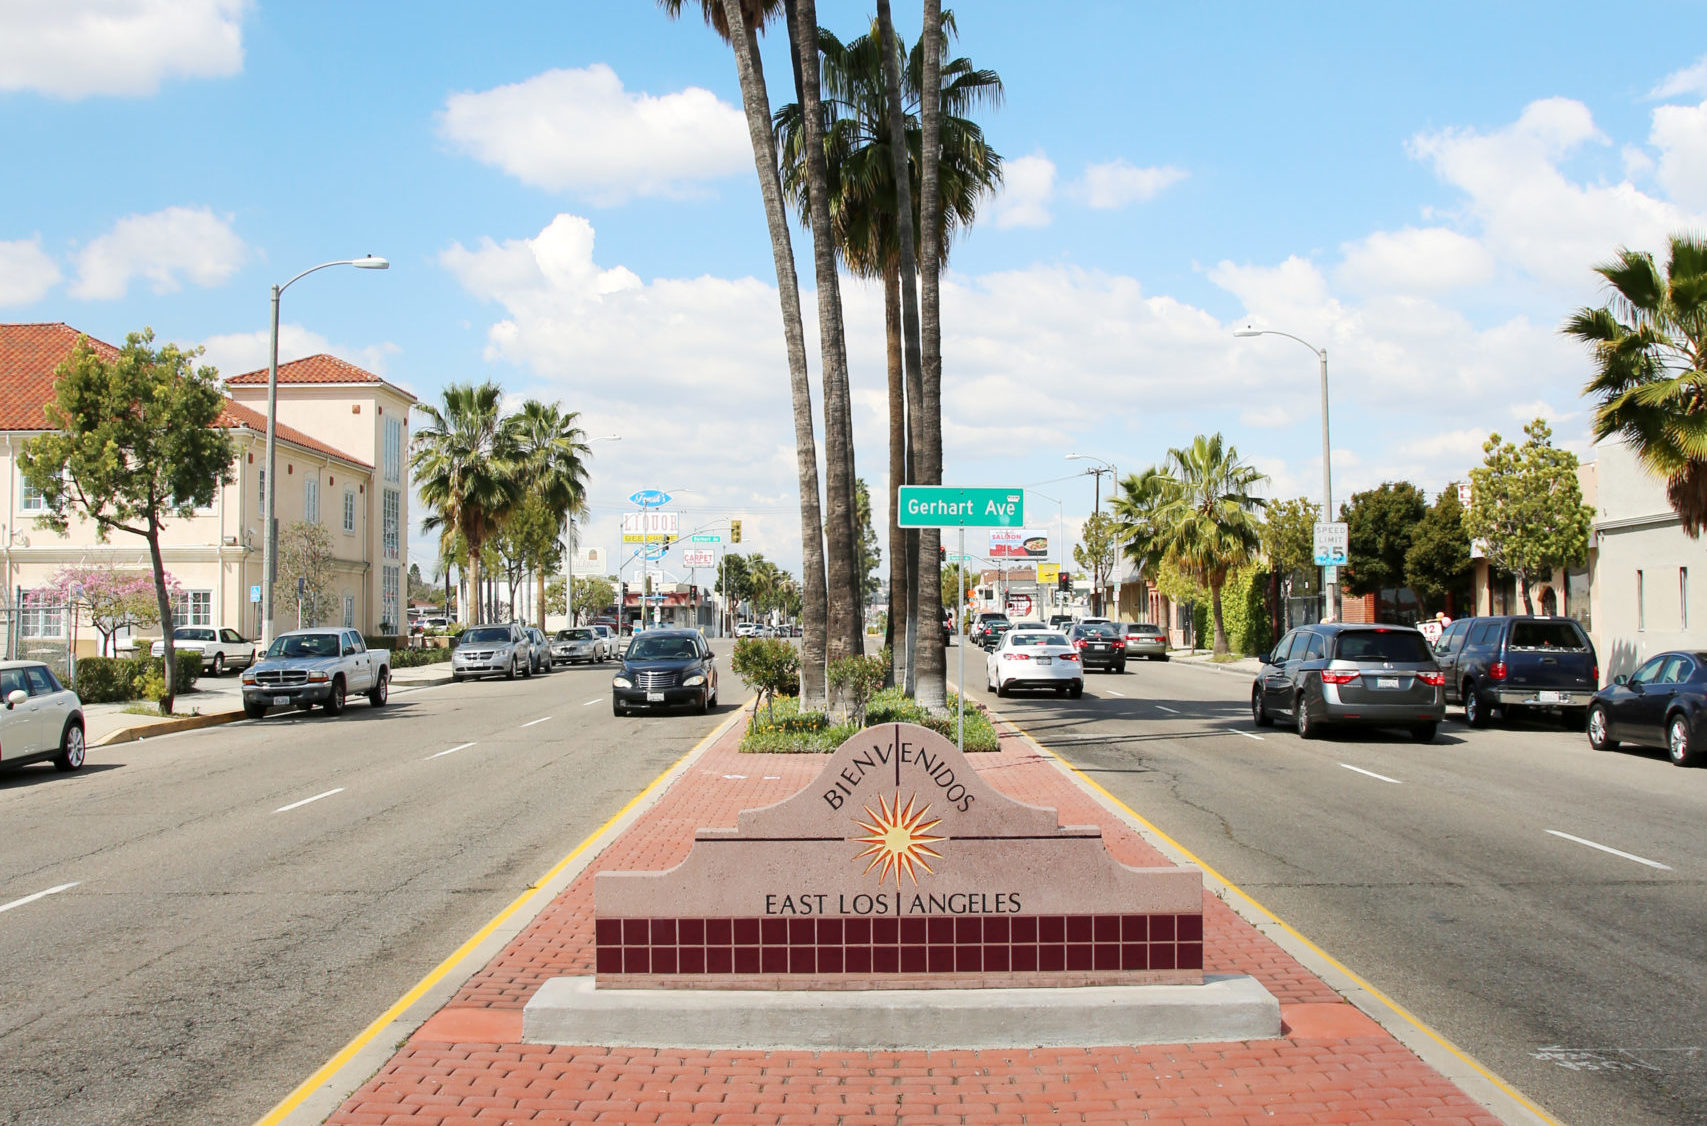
[666, 668]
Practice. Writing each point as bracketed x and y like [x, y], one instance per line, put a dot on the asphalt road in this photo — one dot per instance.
[1436, 872]
[246, 898]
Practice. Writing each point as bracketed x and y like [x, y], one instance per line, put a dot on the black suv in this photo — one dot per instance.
[1101, 645]
[1518, 662]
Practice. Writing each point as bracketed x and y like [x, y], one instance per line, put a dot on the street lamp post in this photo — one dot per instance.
[1330, 590]
[1060, 544]
[1113, 480]
[269, 532]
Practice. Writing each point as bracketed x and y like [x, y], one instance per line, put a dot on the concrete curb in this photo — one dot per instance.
[1201, 663]
[569, 1010]
[165, 727]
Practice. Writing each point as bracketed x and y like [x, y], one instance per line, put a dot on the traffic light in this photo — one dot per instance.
[1064, 581]
[625, 594]
[734, 531]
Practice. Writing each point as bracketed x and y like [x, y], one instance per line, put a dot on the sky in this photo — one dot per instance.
[567, 197]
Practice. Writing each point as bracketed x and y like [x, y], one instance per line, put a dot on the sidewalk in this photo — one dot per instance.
[1202, 658]
[466, 1066]
[210, 703]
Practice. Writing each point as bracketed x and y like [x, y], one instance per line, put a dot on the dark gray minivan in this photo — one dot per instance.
[1336, 673]
[1516, 663]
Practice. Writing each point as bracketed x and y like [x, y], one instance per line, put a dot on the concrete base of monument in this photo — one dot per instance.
[570, 1010]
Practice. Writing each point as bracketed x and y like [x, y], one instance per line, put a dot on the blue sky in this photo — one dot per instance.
[567, 200]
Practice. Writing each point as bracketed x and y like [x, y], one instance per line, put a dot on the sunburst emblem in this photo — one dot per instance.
[899, 839]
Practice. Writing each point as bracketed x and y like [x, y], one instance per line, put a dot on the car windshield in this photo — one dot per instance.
[1098, 630]
[574, 635]
[1545, 635]
[305, 645]
[1037, 637]
[663, 649]
[487, 636]
[1382, 645]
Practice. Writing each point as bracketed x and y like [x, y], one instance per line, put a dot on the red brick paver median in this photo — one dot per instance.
[466, 1065]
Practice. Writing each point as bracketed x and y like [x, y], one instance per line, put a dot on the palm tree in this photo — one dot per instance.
[867, 217]
[1200, 512]
[464, 466]
[1650, 344]
[738, 23]
[551, 449]
[1139, 508]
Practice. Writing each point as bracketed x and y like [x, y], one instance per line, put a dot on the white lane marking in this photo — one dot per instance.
[596, 700]
[1246, 734]
[452, 751]
[1112, 692]
[1165, 708]
[305, 801]
[1372, 774]
[1613, 851]
[39, 895]
[541, 719]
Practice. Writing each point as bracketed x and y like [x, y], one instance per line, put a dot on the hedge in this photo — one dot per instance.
[409, 658]
[1244, 611]
[104, 680]
[788, 730]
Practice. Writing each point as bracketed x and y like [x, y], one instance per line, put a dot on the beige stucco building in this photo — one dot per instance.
[342, 440]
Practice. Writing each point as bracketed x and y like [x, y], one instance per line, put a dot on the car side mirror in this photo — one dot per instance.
[349, 650]
[15, 697]
[1620, 679]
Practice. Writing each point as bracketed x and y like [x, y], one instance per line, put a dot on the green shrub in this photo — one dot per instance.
[1244, 612]
[785, 729]
[770, 665]
[102, 680]
[382, 641]
[410, 658]
[855, 679]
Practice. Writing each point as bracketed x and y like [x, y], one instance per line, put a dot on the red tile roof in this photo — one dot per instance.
[320, 368]
[29, 354]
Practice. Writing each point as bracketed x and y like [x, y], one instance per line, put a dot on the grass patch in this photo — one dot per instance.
[785, 729]
[1225, 659]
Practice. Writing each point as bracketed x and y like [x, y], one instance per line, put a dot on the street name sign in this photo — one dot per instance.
[1331, 543]
[948, 506]
[708, 539]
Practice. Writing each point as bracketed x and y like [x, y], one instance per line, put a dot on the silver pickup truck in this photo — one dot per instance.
[316, 666]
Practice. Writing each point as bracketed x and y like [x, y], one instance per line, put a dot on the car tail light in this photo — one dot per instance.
[1330, 677]
[1079, 644]
[1119, 643]
[1496, 671]
[1596, 672]
[1016, 656]
[1432, 679]
[1069, 656]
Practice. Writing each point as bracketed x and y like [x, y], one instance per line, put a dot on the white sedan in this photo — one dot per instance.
[42, 719]
[1035, 658]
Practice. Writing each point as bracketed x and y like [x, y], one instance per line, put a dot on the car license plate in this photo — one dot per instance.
[1044, 660]
[281, 701]
[1386, 682]
[654, 697]
[1553, 697]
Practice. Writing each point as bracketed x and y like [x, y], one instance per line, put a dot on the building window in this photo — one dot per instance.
[192, 608]
[39, 621]
[261, 475]
[392, 517]
[1641, 605]
[349, 611]
[391, 582]
[1577, 597]
[393, 449]
[1683, 598]
[311, 500]
[349, 512]
[32, 500]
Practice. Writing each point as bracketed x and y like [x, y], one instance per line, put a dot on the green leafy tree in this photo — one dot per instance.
[133, 443]
[1383, 522]
[1650, 346]
[594, 594]
[967, 583]
[771, 666]
[734, 583]
[465, 467]
[420, 590]
[1289, 535]
[1437, 566]
[527, 539]
[870, 547]
[1095, 551]
[1209, 519]
[305, 572]
[1527, 507]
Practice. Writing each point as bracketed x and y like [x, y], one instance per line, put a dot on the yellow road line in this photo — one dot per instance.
[361, 1040]
[1398, 1009]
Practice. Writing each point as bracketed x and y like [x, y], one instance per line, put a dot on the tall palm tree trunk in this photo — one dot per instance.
[844, 617]
[929, 653]
[1216, 582]
[896, 631]
[914, 372]
[755, 101]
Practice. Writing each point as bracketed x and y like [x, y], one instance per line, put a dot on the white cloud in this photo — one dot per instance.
[1691, 79]
[580, 131]
[1414, 260]
[1117, 183]
[238, 352]
[1028, 184]
[77, 48]
[26, 272]
[163, 247]
[1680, 133]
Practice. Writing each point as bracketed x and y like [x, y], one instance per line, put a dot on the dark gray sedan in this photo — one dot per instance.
[1334, 673]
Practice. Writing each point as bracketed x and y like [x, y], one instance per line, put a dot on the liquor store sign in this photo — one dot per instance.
[899, 866]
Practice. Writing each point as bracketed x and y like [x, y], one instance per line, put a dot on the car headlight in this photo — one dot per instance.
[693, 682]
[621, 682]
[318, 678]
[248, 678]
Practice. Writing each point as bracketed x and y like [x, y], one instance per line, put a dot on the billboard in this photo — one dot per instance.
[1019, 543]
[699, 557]
[649, 523]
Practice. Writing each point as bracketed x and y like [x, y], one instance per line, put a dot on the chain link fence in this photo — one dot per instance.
[39, 633]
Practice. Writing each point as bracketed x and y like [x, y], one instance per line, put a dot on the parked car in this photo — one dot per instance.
[1146, 640]
[539, 648]
[221, 649]
[1334, 673]
[665, 668]
[581, 644]
[489, 650]
[988, 627]
[1662, 704]
[1034, 658]
[1518, 662]
[1101, 644]
[746, 629]
[316, 666]
[42, 720]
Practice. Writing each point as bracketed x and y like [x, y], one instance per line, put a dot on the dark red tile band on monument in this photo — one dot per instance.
[939, 944]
